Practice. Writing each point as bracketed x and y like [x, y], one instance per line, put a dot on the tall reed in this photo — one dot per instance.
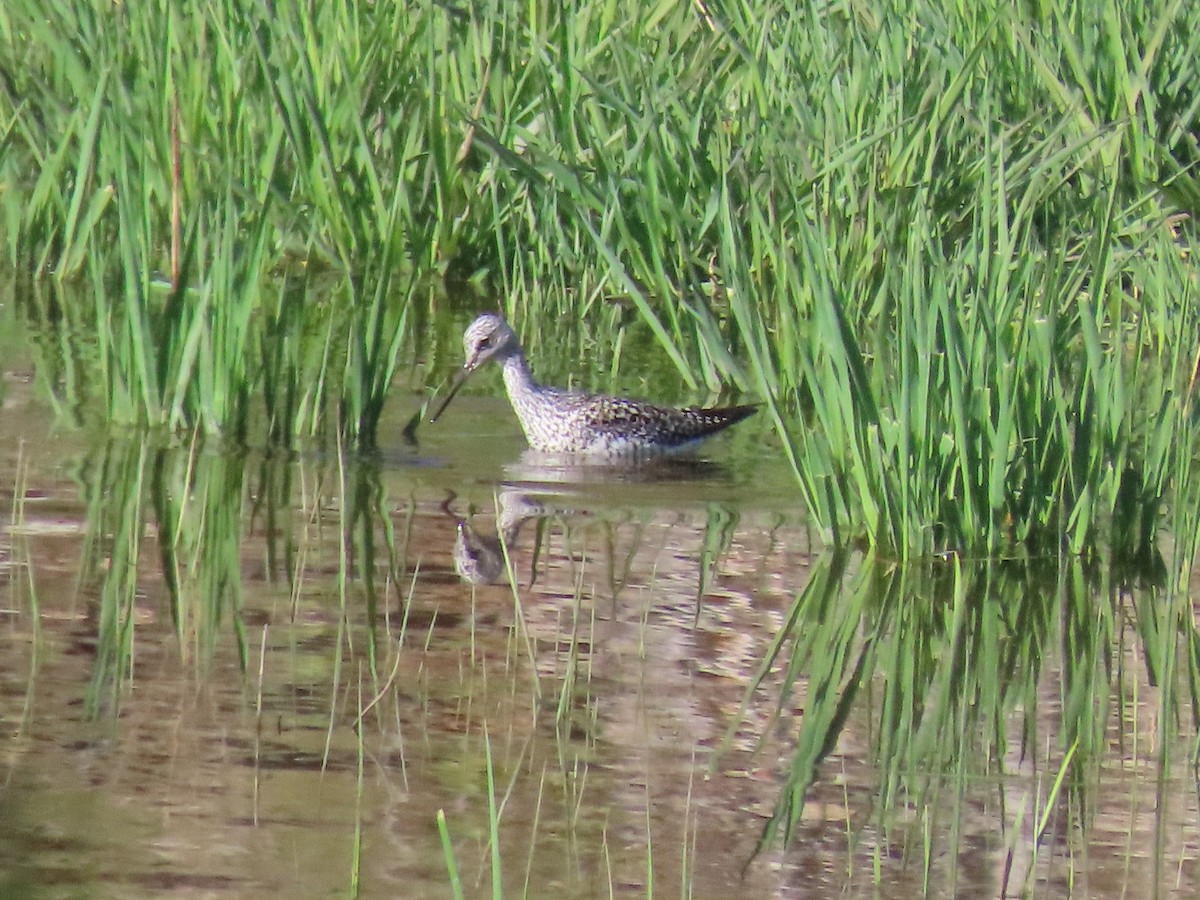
[948, 246]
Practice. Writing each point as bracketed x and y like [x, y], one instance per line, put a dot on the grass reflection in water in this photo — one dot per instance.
[279, 655]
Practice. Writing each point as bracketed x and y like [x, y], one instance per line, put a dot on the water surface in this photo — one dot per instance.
[349, 646]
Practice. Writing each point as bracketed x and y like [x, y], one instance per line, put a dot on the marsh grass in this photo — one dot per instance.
[948, 247]
[456, 889]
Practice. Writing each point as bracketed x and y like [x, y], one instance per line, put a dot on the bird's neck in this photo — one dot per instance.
[518, 379]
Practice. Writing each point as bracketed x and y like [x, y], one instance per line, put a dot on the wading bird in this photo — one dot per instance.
[561, 421]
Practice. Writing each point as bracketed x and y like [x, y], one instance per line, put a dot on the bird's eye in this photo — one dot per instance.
[487, 341]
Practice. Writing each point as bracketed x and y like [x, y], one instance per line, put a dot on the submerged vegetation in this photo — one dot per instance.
[949, 246]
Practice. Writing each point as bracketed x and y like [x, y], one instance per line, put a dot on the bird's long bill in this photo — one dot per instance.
[460, 378]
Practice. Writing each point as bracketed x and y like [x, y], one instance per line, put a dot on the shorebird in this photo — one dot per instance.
[560, 421]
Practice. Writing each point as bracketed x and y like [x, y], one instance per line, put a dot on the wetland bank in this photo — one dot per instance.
[924, 625]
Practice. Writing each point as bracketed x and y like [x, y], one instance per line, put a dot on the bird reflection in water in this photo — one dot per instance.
[478, 554]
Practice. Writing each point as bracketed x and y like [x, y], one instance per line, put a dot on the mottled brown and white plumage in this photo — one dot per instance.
[560, 421]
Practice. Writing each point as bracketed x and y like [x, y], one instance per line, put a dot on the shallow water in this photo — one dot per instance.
[326, 682]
